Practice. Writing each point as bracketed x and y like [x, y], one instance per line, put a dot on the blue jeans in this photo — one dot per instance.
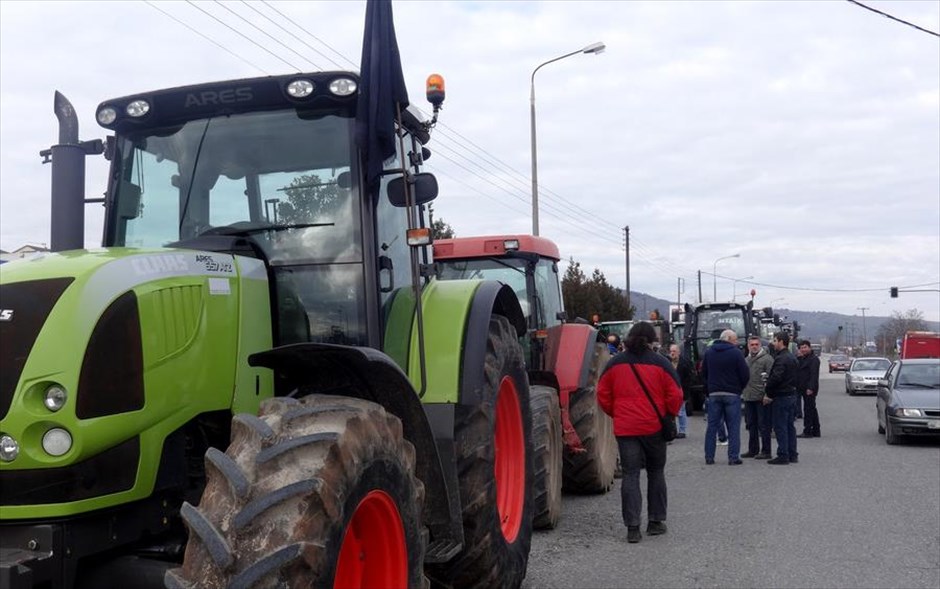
[682, 419]
[722, 430]
[724, 410]
[783, 412]
[758, 427]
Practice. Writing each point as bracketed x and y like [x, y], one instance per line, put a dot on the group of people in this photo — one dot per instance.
[772, 384]
[639, 387]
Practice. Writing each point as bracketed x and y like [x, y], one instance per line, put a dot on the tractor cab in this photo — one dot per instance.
[704, 324]
[528, 264]
[267, 168]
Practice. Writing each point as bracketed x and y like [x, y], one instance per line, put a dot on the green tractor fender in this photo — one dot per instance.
[456, 318]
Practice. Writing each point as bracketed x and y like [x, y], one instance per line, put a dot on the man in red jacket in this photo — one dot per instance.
[620, 393]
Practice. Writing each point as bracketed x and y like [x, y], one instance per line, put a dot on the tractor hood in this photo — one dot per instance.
[129, 337]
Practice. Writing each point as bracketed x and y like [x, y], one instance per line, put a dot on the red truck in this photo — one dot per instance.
[920, 344]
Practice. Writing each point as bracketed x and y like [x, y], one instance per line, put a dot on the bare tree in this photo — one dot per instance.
[894, 328]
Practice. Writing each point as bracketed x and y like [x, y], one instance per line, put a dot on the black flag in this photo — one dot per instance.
[382, 85]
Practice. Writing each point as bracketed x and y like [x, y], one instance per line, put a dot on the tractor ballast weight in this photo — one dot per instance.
[248, 297]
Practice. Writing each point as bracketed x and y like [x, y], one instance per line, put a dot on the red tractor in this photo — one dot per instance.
[575, 448]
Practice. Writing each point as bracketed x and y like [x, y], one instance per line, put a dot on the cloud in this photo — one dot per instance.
[804, 135]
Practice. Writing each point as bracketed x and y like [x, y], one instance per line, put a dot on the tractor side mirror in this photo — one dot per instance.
[424, 185]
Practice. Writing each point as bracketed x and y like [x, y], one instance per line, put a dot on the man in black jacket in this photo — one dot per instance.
[780, 394]
[807, 386]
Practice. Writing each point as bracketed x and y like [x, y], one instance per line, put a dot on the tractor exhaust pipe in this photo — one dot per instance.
[67, 231]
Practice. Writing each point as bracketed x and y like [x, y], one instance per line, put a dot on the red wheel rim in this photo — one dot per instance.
[510, 471]
[373, 552]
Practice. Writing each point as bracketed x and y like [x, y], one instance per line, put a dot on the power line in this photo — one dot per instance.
[213, 41]
[319, 40]
[269, 35]
[644, 253]
[886, 15]
[812, 289]
[243, 35]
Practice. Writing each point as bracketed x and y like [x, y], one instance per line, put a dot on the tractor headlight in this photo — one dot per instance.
[342, 86]
[106, 115]
[57, 441]
[300, 88]
[9, 448]
[138, 108]
[55, 398]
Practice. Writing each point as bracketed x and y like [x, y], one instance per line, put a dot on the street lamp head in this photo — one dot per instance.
[598, 47]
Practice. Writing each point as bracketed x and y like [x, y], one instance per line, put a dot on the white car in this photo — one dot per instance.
[864, 373]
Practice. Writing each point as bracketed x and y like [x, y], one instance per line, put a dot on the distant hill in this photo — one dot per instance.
[813, 324]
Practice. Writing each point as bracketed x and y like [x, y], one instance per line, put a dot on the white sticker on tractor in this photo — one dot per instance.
[215, 264]
[219, 286]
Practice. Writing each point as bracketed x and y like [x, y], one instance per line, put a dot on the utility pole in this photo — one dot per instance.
[864, 329]
[626, 234]
[700, 286]
[679, 292]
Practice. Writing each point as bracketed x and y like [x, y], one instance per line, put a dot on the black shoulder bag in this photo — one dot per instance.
[669, 423]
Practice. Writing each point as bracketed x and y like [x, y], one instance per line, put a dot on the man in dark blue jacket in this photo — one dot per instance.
[725, 374]
[780, 393]
[807, 387]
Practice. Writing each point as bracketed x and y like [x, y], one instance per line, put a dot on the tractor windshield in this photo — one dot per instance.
[283, 177]
[509, 271]
[711, 322]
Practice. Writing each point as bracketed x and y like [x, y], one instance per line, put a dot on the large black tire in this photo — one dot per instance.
[548, 450]
[492, 557]
[311, 493]
[591, 471]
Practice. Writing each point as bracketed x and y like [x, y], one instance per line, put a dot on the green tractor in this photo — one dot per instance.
[256, 382]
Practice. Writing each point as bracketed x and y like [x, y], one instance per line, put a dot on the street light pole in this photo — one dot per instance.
[864, 329]
[715, 275]
[592, 48]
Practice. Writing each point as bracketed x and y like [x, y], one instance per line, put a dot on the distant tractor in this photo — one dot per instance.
[704, 324]
[563, 360]
[254, 383]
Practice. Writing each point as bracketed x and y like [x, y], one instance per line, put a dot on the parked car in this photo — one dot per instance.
[864, 373]
[839, 362]
[909, 399]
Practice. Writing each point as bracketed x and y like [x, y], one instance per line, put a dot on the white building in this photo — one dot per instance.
[23, 252]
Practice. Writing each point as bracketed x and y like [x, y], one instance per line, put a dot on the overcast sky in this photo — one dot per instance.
[804, 136]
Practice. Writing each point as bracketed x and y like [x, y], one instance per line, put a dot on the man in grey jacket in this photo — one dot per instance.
[757, 415]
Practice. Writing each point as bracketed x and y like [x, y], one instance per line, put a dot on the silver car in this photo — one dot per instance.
[864, 373]
[909, 399]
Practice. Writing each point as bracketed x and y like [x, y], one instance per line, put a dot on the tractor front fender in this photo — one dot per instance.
[571, 354]
[456, 323]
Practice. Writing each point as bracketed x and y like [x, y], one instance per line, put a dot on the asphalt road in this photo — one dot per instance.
[854, 512]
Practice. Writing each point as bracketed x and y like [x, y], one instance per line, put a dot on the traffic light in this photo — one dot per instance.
[894, 292]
